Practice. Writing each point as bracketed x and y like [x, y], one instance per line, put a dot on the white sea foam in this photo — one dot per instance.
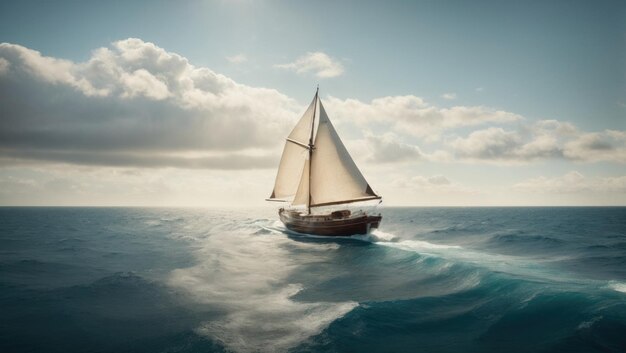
[451, 253]
[617, 286]
[587, 324]
[516, 265]
[247, 277]
[376, 236]
[420, 245]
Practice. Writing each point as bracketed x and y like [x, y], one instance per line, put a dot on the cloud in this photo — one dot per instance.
[487, 144]
[318, 63]
[609, 145]
[143, 83]
[237, 59]
[435, 184]
[223, 160]
[136, 104]
[542, 140]
[573, 182]
[4, 65]
[34, 183]
[137, 99]
[449, 96]
[497, 144]
[413, 115]
[387, 148]
[523, 142]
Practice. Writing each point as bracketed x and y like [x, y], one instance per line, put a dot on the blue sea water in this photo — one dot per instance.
[204, 280]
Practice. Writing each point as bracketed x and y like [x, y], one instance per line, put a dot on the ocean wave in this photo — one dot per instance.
[247, 277]
[587, 324]
[617, 286]
[519, 238]
[376, 236]
[246, 269]
[499, 262]
[419, 245]
[531, 268]
[240, 282]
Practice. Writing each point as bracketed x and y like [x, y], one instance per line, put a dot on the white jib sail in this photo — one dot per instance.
[302, 196]
[294, 156]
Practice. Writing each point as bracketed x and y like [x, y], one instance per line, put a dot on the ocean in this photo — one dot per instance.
[207, 280]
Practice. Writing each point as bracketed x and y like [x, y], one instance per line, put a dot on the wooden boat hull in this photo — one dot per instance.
[327, 225]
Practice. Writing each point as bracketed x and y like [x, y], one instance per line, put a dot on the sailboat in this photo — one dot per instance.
[319, 178]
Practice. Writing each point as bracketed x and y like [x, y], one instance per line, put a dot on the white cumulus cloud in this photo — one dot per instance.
[413, 115]
[237, 59]
[4, 65]
[318, 63]
[541, 140]
[135, 103]
[388, 148]
[609, 145]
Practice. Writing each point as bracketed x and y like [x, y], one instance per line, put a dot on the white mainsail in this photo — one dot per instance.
[335, 178]
[323, 173]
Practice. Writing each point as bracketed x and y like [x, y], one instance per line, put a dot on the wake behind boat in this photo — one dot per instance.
[317, 171]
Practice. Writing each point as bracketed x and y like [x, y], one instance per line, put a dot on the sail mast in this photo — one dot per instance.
[311, 146]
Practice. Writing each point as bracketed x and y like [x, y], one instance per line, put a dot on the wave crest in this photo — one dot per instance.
[246, 276]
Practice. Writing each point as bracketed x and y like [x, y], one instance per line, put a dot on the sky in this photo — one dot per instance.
[440, 103]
